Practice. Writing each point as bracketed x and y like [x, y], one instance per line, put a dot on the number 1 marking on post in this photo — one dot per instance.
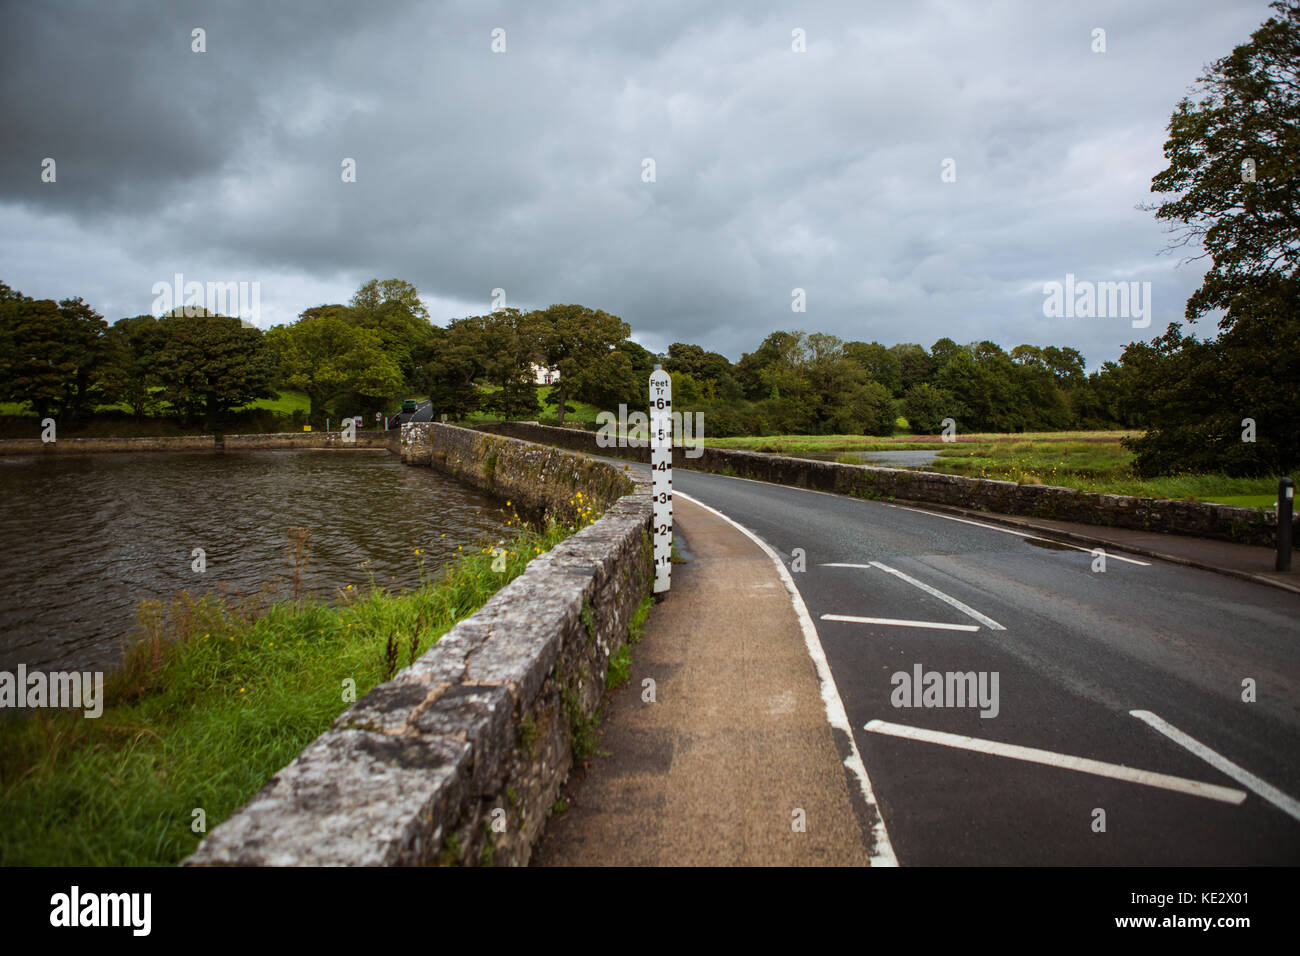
[661, 468]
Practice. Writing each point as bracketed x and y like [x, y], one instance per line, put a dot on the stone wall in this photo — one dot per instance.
[536, 477]
[283, 441]
[460, 758]
[1199, 519]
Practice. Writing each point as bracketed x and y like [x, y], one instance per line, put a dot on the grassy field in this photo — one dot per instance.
[582, 412]
[817, 444]
[213, 699]
[1089, 461]
[18, 420]
[1095, 466]
[285, 403]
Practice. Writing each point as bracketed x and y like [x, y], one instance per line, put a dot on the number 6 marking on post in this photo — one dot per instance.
[661, 468]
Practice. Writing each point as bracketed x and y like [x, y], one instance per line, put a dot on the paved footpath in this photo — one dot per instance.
[736, 742]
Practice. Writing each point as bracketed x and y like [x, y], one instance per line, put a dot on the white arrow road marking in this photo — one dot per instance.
[893, 622]
[1066, 762]
[1020, 534]
[1267, 791]
[933, 591]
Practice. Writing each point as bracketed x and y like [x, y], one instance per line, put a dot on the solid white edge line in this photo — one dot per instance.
[1262, 789]
[882, 851]
[946, 598]
[933, 625]
[1018, 534]
[1048, 758]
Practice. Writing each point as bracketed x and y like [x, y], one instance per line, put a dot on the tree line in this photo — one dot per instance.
[64, 359]
[1223, 403]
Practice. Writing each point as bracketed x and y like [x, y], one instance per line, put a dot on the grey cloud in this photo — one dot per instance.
[775, 170]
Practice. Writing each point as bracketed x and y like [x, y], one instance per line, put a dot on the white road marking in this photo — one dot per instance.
[882, 851]
[1020, 534]
[1064, 761]
[1267, 791]
[935, 625]
[947, 598]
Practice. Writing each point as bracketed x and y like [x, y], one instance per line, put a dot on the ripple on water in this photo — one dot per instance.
[83, 541]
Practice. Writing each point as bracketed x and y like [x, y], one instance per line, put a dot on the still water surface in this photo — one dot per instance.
[84, 540]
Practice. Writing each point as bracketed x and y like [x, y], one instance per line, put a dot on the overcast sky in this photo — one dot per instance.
[523, 170]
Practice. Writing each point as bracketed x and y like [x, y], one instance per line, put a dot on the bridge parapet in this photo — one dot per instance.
[460, 758]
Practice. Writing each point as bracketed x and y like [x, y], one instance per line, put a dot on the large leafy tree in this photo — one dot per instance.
[508, 342]
[776, 348]
[571, 337]
[456, 362]
[712, 371]
[926, 407]
[51, 353]
[391, 308]
[879, 362]
[323, 355]
[211, 364]
[1234, 185]
[130, 349]
[1247, 221]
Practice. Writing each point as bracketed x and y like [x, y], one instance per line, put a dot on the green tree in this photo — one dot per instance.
[915, 364]
[879, 362]
[211, 364]
[131, 347]
[451, 371]
[509, 343]
[323, 355]
[52, 354]
[749, 370]
[571, 338]
[1194, 396]
[1246, 220]
[613, 380]
[391, 308]
[37, 360]
[1234, 178]
[925, 408]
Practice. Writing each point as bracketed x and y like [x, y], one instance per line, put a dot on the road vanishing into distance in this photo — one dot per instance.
[1118, 733]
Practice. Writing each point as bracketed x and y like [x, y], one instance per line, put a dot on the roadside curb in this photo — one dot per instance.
[1095, 541]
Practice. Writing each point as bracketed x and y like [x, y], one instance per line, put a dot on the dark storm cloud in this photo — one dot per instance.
[522, 170]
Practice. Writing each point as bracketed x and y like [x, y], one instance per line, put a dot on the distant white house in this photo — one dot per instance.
[545, 376]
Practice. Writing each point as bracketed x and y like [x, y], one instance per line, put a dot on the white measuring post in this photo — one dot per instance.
[661, 468]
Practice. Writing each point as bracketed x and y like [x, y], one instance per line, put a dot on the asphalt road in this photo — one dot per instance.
[1076, 652]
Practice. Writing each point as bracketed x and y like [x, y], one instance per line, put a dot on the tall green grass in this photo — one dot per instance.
[1104, 467]
[214, 697]
[803, 444]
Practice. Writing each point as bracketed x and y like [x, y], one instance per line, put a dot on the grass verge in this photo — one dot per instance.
[214, 697]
